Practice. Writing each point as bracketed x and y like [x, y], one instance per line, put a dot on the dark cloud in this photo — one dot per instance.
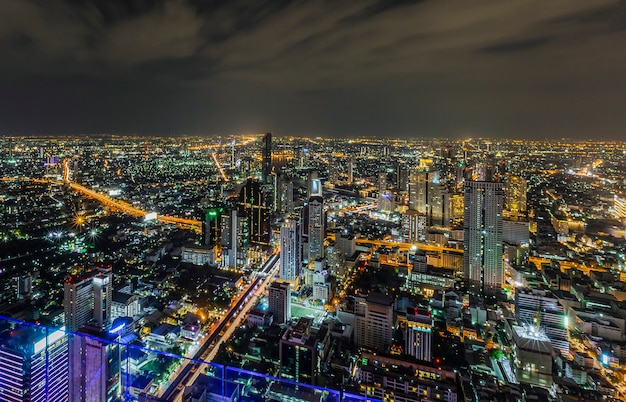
[335, 67]
[516, 46]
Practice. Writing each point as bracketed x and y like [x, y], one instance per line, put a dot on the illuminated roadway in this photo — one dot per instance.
[222, 331]
[119, 205]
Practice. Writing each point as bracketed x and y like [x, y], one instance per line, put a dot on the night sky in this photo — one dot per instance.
[471, 68]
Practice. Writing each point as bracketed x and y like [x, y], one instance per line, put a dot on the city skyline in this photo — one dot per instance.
[398, 69]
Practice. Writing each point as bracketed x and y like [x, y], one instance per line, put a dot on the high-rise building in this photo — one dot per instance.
[438, 200]
[235, 238]
[95, 366]
[540, 308]
[413, 227]
[102, 297]
[211, 226]
[314, 184]
[252, 204]
[33, 364]
[301, 350]
[515, 195]
[532, 353]
[88, 298]
[483, 237]
[418, 191]
[402, 177]
[419, 334]
[267, 158]
[350, 170]
[374, 321]
[382, 182]
[290, 259]
[317, 228]
[279, 299]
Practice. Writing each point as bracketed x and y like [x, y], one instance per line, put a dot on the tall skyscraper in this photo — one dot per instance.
[402, 177]
[419, 334]
[483, 236]
[211, 226]
[95, 366]
[235, 238]
[301, 351]
[515, 195]
[252, 203]
[267, 158]
[314, 184]
[418, 191]
[413, 227]
[290, 260]
[317, 228]
[350, 170]
[102, 297]
[88, 298]
[374, 321]
[382, 182]
[33, 364]
[279, 299]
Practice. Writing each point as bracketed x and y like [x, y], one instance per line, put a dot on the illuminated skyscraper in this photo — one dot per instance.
[317, 228]
[95, 369]
[374, 321]
[211, 226]
[483, 236]
[252, 204]
[279, 300]
[290, 260]
[267, 158]
[515, 195]
[33, 364]
[419, 334]
[88, 298]
[235, 238]
[418, 191]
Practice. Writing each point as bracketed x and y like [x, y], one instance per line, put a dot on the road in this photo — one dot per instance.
[116, 204]
[222, 331]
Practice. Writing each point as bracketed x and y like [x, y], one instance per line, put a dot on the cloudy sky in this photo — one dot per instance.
[490, 68]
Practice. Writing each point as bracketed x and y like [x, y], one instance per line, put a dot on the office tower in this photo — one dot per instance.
[235, 238]
[418, 188]
[284, 198]
[317, 228]
[413, 227]
[350, 170]
[382, 182]
[402, 177]
[314, 184]
[532, 353]
[95, 366]
[88, 298]
[211, 226]
[483, 237]
[252, 204]
[438, 209]
[267, 158]
[333, 172]
[102, 297]
[515, 195]
[290, 261]
[619, 206]
[23, 286]
[346, 244]
[279, 299]
[301, 350]
[419, 334]
[33, 364]
[540, 308]
[374, 321]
